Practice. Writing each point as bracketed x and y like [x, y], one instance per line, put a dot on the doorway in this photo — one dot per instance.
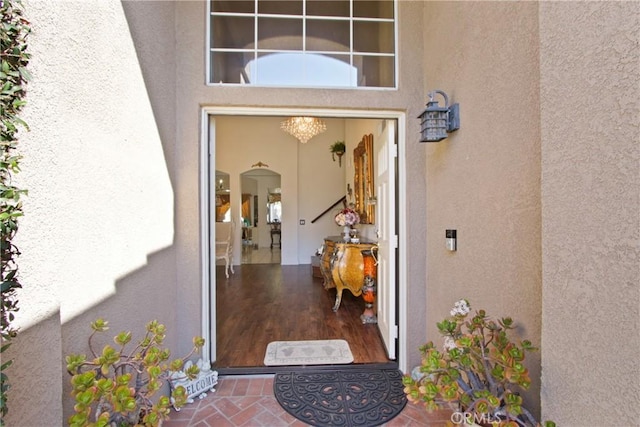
[208, 161]
[261, 214]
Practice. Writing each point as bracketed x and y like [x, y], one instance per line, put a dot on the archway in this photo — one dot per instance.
[260, 210]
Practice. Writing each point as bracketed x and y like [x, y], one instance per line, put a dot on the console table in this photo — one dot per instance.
[342, 266]
[275, 231]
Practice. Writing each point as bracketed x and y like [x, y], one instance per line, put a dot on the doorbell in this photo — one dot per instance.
[451, 240]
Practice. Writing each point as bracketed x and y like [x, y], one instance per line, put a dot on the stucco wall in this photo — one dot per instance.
[193, 94]
[590, 87]
[484, 179]
[97, 234]
[111, 163]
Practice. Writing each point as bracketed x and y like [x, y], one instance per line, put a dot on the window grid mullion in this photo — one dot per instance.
[351, 56]
[305, 65]
[351, 19]
[255, 41]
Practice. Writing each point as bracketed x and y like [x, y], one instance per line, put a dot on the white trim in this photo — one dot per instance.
[401, 266]
[207, 302]
[207, 52]
[204, 237]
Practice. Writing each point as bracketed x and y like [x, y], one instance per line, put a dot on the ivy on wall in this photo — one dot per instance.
[13, 76]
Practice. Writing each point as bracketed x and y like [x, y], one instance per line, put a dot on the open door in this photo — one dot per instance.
[388, 236]
[208, 202]
[386, 209]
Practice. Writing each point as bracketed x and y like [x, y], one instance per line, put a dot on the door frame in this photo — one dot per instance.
[207, 159]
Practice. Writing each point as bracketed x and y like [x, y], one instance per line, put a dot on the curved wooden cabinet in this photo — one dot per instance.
[342, 266]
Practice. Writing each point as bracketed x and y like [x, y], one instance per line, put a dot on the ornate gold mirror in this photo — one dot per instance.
[363, 180]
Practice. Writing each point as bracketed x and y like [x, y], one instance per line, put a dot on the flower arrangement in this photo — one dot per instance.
[347, 217]
[478, 372]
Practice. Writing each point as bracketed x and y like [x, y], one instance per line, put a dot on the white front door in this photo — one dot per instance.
[388, 238]
[208, 235]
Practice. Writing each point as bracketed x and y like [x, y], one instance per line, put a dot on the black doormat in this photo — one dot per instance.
[351, 397]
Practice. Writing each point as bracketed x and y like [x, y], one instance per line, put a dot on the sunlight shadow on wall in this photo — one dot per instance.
[101, 197]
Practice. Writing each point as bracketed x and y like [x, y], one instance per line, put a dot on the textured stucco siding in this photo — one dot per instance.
[542, 182]
[590, 92]
[193, 94]
[97, 234]
[484, 179]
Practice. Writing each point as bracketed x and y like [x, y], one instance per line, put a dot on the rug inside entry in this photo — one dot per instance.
[309, 352]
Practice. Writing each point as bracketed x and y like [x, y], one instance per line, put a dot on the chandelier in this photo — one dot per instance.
[303, 128]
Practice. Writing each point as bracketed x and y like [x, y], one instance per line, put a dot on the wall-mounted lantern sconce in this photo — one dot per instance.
[437, 121]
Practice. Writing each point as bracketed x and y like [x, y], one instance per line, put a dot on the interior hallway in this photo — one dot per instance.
[252, 255]
[248, 401]
[262, 303]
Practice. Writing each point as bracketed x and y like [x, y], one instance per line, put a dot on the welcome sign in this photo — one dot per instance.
[199, 386]
[202, 384]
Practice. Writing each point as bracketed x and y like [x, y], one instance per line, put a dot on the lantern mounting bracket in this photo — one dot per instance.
[436, 121]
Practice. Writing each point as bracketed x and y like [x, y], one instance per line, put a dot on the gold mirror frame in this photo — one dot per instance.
[363, 180]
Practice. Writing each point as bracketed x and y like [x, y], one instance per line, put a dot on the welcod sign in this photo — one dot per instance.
[205, 382]
[199, 386]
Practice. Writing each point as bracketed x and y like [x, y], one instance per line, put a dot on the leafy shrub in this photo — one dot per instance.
[479, 372]
[14, 59]
[116, 387]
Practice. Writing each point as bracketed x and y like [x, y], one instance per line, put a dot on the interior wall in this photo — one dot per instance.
[321, 184]
[321, 181]
[239, 144]
[242, 141]
[484, 179]
[589, 87]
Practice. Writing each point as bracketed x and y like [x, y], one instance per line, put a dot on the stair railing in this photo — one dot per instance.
[342, 200]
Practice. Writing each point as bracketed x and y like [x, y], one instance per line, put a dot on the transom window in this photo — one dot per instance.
[302, 43]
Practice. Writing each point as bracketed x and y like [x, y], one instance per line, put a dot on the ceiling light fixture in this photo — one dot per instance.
[303, 128]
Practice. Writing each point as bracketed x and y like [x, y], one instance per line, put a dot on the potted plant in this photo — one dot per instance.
[479, 373]
[337, 149]
[116, 386]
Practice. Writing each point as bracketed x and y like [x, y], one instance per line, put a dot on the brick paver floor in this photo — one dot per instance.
[248, 401]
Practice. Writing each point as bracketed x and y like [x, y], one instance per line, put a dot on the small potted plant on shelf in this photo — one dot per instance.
[337, 149]
[118, 388]
[479, 372]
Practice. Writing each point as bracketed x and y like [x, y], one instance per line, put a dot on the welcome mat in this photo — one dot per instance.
[352, 397]
[318, 352]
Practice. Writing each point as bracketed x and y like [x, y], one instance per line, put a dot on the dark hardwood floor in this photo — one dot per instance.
[261, 303]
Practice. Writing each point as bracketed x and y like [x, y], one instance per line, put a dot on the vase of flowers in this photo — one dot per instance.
[347, 218]
[479, 371]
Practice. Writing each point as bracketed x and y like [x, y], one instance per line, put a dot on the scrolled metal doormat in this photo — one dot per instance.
[350, 397]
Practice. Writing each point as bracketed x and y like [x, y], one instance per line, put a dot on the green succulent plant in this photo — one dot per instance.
[479, 373]
[117, 387]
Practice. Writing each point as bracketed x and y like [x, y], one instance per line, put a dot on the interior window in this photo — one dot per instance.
[302, 43]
